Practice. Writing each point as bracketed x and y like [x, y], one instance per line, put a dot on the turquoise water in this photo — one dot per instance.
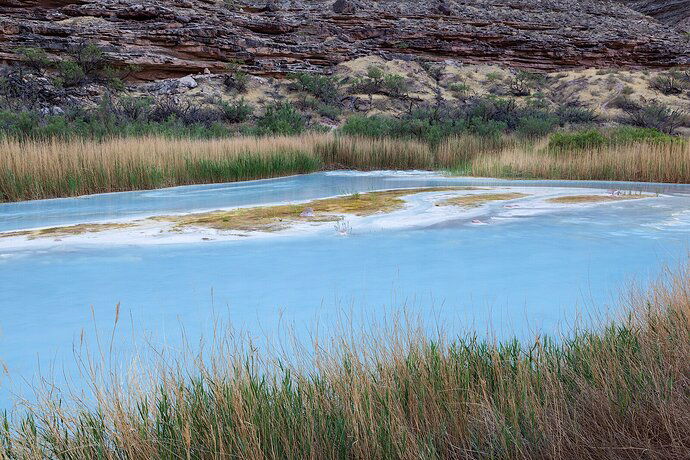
[527, 275]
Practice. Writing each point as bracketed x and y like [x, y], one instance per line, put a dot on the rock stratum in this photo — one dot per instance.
[170, 38]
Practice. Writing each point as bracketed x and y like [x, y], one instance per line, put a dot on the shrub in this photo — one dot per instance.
[619, 136]
[568, 114]
[625, 103]
[128, 108]
[35, 59]
[70, 74]
[236, 112]
[360, 125]
[486, 128]
[657, 116]
[187, 113]
[89, 57]
[494, 77]
[237, 79]
[372, 83]
[669, 84]
[519, 86]
[280, 118]
[112, 77]
[328, 111]
[375, 73]
[24, 91]
[536, 126]
[86, 62]
[577, 140]
[322, 87]
[395, 85]
[459, 90]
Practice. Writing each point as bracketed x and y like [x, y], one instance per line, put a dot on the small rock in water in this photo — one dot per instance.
[308, 212]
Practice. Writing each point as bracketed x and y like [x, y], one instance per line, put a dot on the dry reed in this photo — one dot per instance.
[643, 162]
[48, 169]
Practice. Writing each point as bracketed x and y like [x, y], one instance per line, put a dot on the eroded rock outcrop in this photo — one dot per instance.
[675, 13]
[177, 37]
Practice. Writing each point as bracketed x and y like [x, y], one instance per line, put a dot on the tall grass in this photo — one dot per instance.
[619, 391]
[47, 169]
[56, 168]
[643, 161]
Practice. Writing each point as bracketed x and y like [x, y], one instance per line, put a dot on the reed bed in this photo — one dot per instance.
[47, 169]
[643, 162]
[621, 390]
[58, 168]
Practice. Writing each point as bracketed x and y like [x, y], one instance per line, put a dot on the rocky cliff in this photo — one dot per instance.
[167, 38]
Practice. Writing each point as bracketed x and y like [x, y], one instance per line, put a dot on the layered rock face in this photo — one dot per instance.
[167, 38]
[672, 12]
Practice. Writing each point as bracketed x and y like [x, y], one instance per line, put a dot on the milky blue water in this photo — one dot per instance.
[528, 275]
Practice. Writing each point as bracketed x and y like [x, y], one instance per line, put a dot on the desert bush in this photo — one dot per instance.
[236, 79]
[323, 109]
[536, 126]
[657, 116]
[377, 81]
[570, 114]
[35, 59]
[21, 91]
[627, 90]
[86, 62]
[459, 90]
[237, 111]
[669, 83]
[519, 85]
[280, 118]
[395, 85]
[130, 108]
[370, 84]
[630, 134]
[493, 77]
[186, 112]
[89, 56]
[70, 74]
[577, 140]
[112, 118]
[625, 103]
[483, 116]
[323, 87]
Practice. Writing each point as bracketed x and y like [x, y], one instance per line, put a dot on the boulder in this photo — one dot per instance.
[188, 82]
[344, 7]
